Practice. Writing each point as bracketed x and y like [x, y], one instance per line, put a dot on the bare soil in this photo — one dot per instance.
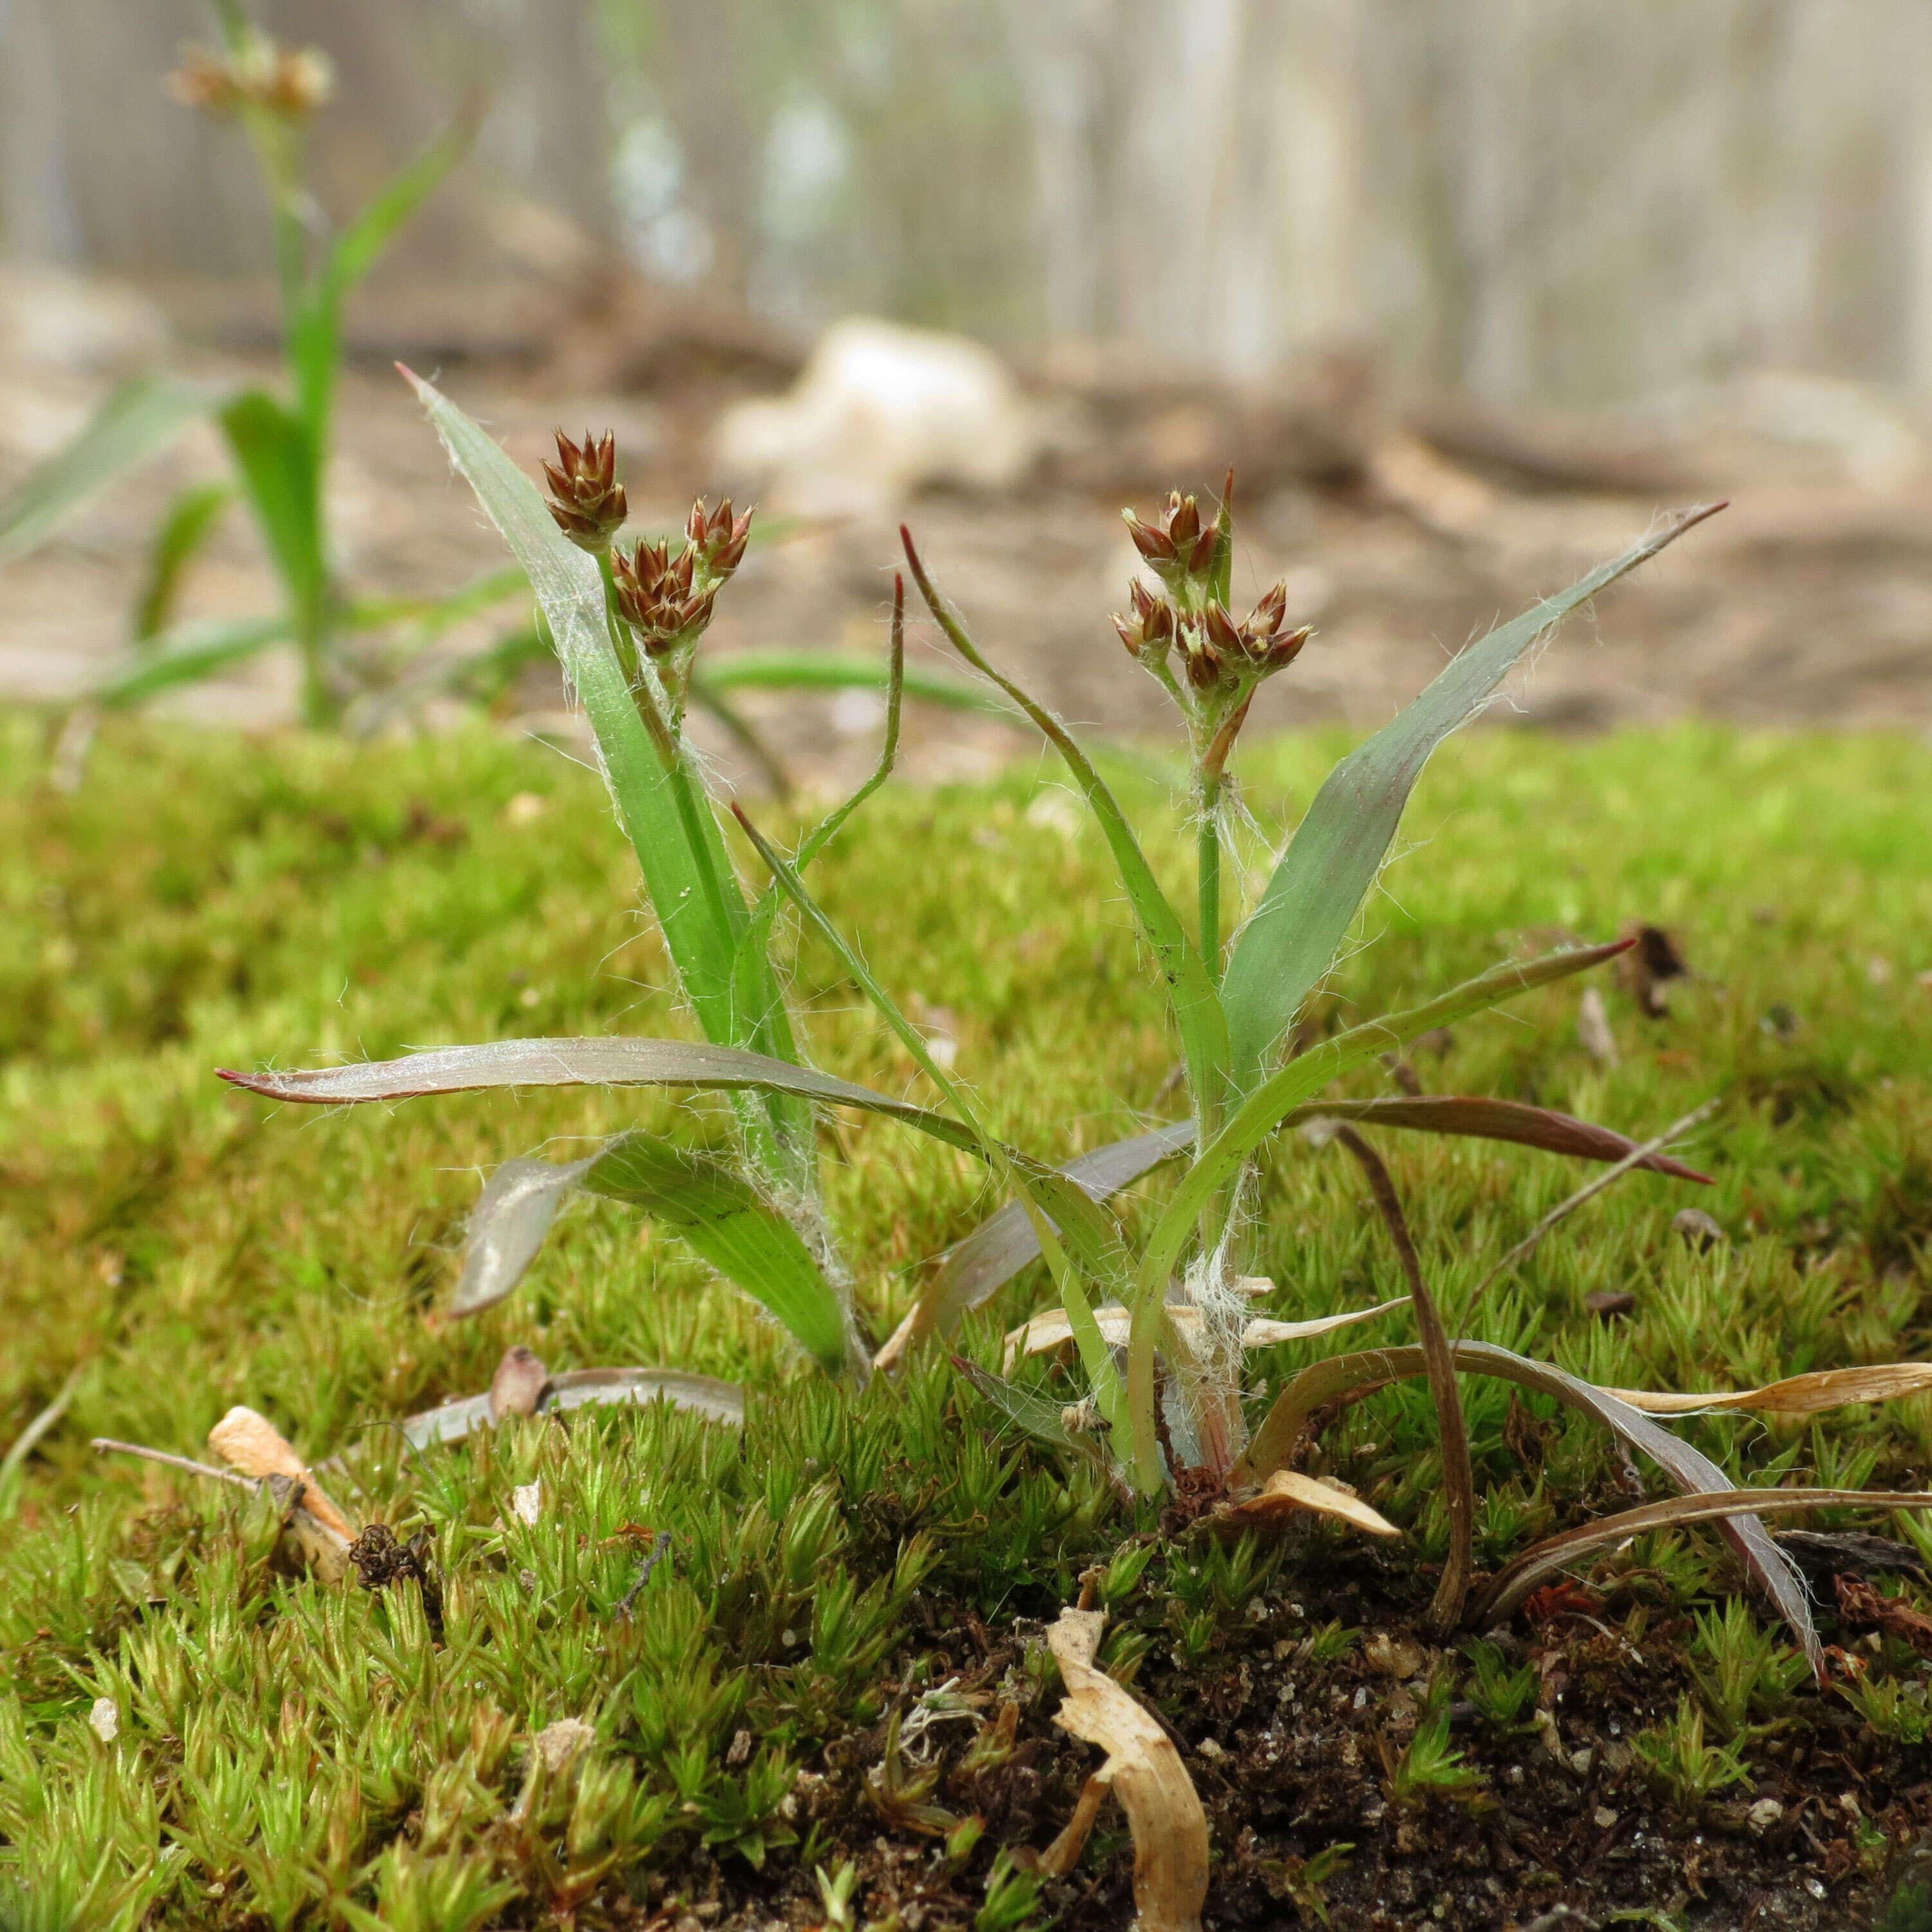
[1401, 533]
[1293, 1756]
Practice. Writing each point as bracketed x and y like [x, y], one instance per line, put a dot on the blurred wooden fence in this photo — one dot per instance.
[1555, 199]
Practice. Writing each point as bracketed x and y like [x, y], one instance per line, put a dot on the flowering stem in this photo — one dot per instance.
[1207, 841]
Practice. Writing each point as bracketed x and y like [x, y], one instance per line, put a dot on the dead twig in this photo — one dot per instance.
[106, 1446]
[23, 1444]
[1635, 1157]
[659, 1549]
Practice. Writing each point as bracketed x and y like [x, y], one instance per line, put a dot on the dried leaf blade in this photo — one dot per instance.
[1144, 1771]
[1288, 1494]
[250, 1442]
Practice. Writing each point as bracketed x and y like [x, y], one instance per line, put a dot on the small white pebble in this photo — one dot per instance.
[1765, 1813]
[527, 1502]
[1362, 1698]
[105, 1719]
[1581, 1761]
[561, 1744]
[1208, 1748]
[1604, 1817]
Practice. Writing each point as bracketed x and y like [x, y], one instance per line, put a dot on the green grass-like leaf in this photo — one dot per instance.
[1310, 903]
[659, 792]
[738, 1231]
[138, 420]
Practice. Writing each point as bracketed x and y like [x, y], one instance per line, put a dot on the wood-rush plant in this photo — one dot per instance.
[1159, 1329]
[279, 445]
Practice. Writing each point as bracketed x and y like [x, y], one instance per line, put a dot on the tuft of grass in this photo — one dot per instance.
[183, 1249]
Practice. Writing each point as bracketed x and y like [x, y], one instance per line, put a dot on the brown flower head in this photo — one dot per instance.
[660, 597]
[289, 82]
[585, 496]
[1235, 657]
[719, 538]
[1149, 634]
[1179, 545]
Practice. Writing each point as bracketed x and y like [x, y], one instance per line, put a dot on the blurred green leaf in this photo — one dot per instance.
[190, 522]
[837, 671]
[362, 244]
[278, 459]
[435, 614]
[186, 654]
[140, 418]
[1291, 939]
[315, 328]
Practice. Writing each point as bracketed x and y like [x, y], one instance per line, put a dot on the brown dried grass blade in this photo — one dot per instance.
[1288, 1494]
[1481, 1117]
[1643, 1155]
[1346, 1377]
[1145, 1773]
[1458, 1476]
[1506, 1590]
[251, 1443]
[1795, 1395]
[1050, 1329]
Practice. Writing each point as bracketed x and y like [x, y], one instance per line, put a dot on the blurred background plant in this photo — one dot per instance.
[360, 658]
[279, 445]
[1494, 269]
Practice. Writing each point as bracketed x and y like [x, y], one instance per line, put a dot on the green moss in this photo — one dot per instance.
[209, 900]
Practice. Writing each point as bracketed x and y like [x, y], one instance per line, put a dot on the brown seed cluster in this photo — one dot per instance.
[289, 82]
[1179, 544]
[1216, 655]
[666, 601]
[585, 498]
